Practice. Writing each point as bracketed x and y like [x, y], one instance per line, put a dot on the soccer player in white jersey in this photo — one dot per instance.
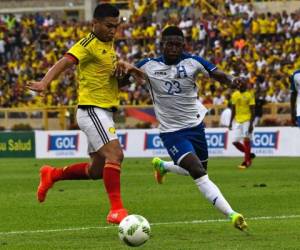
[295, 98]
[171, 83]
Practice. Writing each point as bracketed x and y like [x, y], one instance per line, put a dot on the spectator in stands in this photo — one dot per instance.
[260, 101]
[27, 45]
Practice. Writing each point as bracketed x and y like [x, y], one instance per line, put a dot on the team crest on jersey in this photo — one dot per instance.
[112, 130]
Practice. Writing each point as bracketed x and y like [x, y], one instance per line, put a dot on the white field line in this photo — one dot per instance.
[279, 217]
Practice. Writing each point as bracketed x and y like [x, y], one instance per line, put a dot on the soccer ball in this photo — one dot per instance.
[134, 230]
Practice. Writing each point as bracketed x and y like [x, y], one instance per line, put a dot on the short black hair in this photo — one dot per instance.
[172, 31]
[105, 10]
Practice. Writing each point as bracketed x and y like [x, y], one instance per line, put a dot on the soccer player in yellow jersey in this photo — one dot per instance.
[96, 62]
[243, 104]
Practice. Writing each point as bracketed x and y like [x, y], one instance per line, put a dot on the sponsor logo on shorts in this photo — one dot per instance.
[63, 142]
[112, 130]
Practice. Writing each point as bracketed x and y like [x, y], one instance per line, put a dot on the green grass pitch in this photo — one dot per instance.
[73, 216]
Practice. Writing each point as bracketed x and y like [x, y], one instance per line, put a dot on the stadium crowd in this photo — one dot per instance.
[261, 47]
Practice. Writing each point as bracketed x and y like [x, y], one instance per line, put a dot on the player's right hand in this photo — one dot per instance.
[36, 86]
[124, 68]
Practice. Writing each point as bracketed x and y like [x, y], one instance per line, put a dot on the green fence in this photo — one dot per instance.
[17, 144]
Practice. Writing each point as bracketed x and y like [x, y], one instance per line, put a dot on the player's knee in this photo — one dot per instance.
[197, 171]
[117, 157]
[204, 164]
[113, 153]
[95, 173]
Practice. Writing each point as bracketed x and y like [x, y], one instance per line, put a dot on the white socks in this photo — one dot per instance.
[206, 187]
[213, 194]
[171, 167]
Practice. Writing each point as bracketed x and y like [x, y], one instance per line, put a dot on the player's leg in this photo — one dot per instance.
[49, 175]
[98, 125]
[102, 135]
[113, 155]
[240, 131]
[77, 171]
[196, 164]
[96, 167]
[161, 168]
[210, 191]
[237, 130]
[298, 121]
[248, 156]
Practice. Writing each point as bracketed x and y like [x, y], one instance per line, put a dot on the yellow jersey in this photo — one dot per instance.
[242, 102]
[96, 64]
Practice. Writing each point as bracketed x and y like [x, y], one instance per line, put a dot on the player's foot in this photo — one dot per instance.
[238, 221]
[159, 170]
[46, 182]
[245, 164]
[116, 216]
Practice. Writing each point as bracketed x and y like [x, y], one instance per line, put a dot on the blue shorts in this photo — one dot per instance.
[298, 121]
[183, 141]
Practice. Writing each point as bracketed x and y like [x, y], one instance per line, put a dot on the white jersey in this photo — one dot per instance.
[174, 92]
[295, 87]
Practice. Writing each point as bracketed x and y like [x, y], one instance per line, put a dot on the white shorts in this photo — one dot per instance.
[241, 130]
[98, 125]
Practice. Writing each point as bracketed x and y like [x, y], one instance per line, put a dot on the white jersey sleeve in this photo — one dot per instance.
[295, 87]
[174, 92]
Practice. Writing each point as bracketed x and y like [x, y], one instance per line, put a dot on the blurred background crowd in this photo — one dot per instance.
[261, 47]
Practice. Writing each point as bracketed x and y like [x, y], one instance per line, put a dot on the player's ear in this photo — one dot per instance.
[95, 20]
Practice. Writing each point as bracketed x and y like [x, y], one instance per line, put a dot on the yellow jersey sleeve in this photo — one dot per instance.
[79, 51]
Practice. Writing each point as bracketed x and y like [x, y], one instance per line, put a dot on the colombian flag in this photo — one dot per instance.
[142, 114]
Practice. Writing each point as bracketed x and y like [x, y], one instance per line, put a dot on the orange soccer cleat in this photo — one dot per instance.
[116, 216]
[46, 182]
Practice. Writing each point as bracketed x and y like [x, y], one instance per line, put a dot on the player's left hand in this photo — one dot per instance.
[38, 87]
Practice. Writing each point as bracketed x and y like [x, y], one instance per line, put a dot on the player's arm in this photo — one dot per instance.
[227, 79]
[124, 71]
[252, 110]
[233, 112]
[76, 53]
[293, 106]
[294, 93]
[59, 67]
[217, 74]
